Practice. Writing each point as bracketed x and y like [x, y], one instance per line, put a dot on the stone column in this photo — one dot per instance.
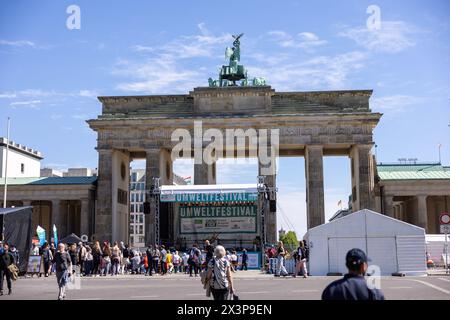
[362, 177]
[84, 217]
[402, 212]
[314, 185]
[389, 206]
[205, 173]
[165, 167]
[56, 217]
[103, 220]
[151, 171]
[422, 212]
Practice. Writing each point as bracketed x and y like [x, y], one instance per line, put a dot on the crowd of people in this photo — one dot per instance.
[118, 258]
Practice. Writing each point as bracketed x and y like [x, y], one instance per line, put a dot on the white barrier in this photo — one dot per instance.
[288, 264]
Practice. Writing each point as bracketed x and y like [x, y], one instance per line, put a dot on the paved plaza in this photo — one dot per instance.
[251, 285]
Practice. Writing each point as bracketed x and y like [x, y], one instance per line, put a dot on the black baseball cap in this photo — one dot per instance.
[356, 257]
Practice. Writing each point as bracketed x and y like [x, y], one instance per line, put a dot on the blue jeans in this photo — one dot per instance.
[280, 267]
[106, 269]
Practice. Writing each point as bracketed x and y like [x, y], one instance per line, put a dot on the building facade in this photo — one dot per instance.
[22, 161]
[415, 193]
[67, 202]
[137, 199]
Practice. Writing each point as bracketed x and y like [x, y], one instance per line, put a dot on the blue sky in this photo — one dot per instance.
[50, 75]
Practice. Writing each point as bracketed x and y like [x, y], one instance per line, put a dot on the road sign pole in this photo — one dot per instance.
[446, 254]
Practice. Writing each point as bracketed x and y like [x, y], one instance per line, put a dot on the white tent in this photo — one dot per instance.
[392, 245]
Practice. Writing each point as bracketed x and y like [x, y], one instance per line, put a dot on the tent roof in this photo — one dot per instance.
[13, 210]
[210, 188]
[365, 223]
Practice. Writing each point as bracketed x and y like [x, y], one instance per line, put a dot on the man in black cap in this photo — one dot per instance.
[353, 286]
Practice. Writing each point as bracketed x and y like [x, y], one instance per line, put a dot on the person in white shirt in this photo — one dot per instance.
[176, 260]
[234, 261]
[184, 262]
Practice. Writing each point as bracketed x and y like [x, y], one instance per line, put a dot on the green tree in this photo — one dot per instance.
[289, 240]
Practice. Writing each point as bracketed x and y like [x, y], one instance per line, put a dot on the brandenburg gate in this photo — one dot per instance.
[310, 124]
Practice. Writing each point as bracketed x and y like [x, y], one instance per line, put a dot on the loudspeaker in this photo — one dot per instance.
[273, 205]
[146, 207]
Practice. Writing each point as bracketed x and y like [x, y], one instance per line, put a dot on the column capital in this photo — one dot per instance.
[105, 151]
[152, 150]
[364, 145]
[314, 146]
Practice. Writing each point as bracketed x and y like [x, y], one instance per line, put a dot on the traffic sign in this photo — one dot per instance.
[444, 218]
[445, 228]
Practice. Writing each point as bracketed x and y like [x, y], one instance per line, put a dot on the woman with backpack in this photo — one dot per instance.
[219, 276]
[194, 259]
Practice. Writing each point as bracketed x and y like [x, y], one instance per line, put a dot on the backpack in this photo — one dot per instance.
[13, 271]
[193, 255]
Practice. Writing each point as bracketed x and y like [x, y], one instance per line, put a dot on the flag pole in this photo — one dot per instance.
[5, 189]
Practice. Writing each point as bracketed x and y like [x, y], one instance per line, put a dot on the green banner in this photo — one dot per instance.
[217, 219]
[209, 197]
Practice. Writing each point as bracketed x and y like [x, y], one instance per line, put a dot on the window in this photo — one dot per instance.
[141, 218]
[141, 207]
[22, 167]
[141, 229]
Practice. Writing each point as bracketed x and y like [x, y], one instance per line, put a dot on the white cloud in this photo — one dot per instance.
[8, 95]
[321, 72]
[164, 71]
[88, 93]
[155, 76]
[303, 40]
[29, 103]
[141, 48]
[47, 98]
[392, 37]
[17, 43]
[395, 103]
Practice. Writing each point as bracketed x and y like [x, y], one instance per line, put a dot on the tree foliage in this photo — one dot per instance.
[289, 239]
